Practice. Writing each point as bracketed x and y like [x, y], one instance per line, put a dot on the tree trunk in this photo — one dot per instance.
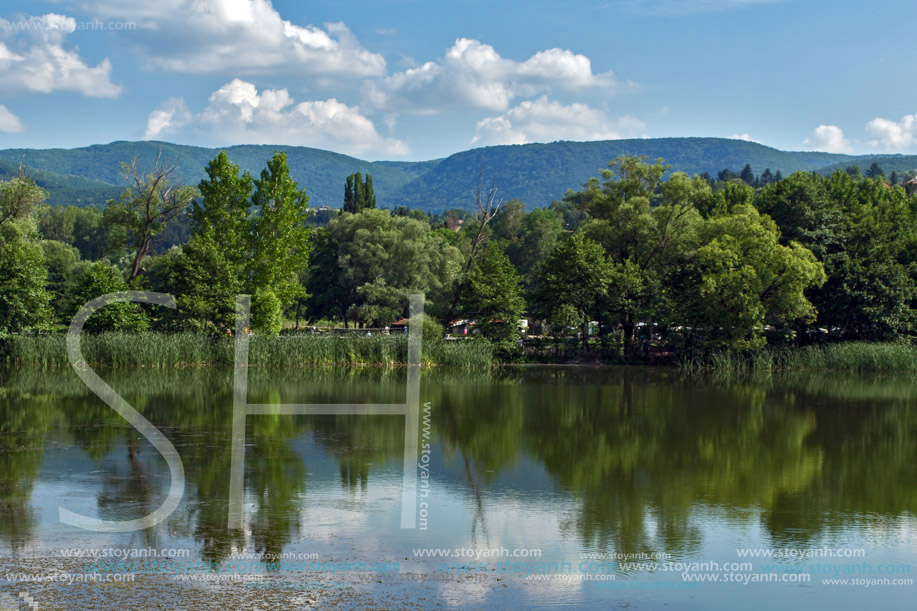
[628, 328]
[141, 253]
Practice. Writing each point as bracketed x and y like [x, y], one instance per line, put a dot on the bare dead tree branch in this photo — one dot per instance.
[487, 208]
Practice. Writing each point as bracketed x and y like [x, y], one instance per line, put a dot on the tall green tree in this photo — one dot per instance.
[358, 194]
[644, 225]
[24, 301]
[541, 232]
[747, 175]
[494, 298]
[871, 292]
[216, 258]
[280, 244]
[875, 171]
[573, 283]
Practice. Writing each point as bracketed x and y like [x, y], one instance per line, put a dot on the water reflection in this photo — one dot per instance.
[642, 456]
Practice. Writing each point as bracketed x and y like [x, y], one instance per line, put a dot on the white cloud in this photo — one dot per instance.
[34, 58]
[893, 136]
[472, 75]
[745, 137]
[543, 120]
[171, 115]
[237, 113]
[9, 122]
[245, 36]
[827, 138]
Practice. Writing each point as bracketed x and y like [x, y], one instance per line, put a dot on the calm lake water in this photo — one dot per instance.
[548, 488]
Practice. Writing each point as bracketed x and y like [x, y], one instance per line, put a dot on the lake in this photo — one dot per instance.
[535, 487]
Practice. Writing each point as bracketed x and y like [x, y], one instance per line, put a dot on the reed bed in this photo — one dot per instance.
[192, 349]
[846, 356]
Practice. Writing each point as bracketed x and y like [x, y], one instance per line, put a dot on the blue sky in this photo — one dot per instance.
[411, 79]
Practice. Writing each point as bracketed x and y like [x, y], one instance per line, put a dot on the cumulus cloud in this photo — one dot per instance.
[246, 36]
[34, 57]
[893, 135]
[171, 115]
[9, 122]
[745, 137]
[827, 138]
[237, 113]
[472, 75]
[543, 120]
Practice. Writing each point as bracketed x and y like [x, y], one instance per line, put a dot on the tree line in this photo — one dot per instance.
[634, 258]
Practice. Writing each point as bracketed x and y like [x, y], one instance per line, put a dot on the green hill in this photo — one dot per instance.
[73, 190]
[322, 173]
[889, 163]
[540, 173]
[534, 173]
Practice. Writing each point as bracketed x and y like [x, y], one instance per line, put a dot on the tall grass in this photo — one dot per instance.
[847, 356]
[191, 349]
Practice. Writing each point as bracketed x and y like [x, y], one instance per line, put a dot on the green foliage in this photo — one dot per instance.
[541, 231]
[573, 282]
[81, 228]
[266, 312]
[535, 173]
[24, 302]
[91, 176]
[902, 164]
[61, 260]
[216, 257]
[18, 197]
[279, 242]
[358, 194]
[493, 296]
[94, 280]
[370, 262]
[541, 173]
[432, 330]
[748, 278]
[663, 261]
[875, 171]
[647, 228]
[865, 234]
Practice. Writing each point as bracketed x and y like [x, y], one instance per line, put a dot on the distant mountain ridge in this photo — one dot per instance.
[534, 173]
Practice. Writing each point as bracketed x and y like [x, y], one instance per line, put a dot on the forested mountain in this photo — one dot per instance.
[889, 163]
[533, 173]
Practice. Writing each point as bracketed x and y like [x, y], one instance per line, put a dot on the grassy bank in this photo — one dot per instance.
[191, 349]
[847, 356]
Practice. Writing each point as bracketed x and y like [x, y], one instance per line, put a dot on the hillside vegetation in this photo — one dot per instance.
[537, 174]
